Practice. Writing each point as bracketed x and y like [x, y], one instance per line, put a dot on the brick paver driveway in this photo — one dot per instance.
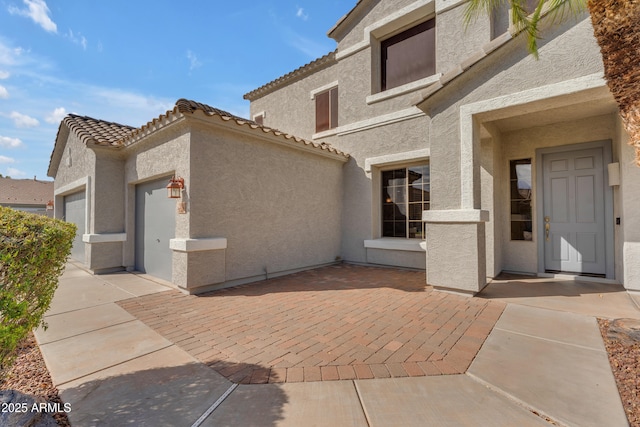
[338, 322]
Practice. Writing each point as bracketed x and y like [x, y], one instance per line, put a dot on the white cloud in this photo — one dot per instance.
[4, 93]
[7, 142]
[77, 39]
[300, 14]
[307, 46]
[56, 115]
[15, 172]
[38, 11]
[4, 75]
[5, 159]
[22, 120]
[193, 60]
[9, 55]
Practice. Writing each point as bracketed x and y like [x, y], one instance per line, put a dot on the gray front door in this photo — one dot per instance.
[574, 212]
[155, 226]
[74, 212]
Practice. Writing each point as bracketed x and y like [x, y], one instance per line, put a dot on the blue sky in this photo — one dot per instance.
[129, 61]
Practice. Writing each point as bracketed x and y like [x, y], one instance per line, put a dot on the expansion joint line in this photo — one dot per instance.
[215, 405]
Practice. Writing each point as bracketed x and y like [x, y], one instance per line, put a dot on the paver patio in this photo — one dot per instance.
[333, 323]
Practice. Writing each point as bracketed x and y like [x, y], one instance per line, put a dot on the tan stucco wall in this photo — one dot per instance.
[160, 154]
[291, 108]
[566, 53]
[279, 208]
[77, 162]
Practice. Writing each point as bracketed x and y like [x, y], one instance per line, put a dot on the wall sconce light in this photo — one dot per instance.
[174, 188]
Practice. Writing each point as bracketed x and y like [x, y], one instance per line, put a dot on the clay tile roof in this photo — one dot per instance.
[297, 74]
[185, 107]
[25, 191]
[96, 131]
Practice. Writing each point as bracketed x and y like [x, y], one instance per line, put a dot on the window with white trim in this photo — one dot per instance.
[405, 194]
[326, 109]
[408, 56]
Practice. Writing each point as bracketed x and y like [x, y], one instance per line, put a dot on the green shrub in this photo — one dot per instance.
[33, 253]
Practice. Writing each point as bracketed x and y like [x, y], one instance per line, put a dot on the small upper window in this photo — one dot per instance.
[259, 119]
[409, 56]
[327, 110]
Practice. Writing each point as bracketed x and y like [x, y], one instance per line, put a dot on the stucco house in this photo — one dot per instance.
[29, 195]
[465, 157]
[240, 217]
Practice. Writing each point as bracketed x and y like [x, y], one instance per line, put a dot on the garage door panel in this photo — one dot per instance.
[155, 227]
[75, 209]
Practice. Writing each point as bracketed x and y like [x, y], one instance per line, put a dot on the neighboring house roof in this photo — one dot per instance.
[295, 75]
[25, 192]
[109, 134]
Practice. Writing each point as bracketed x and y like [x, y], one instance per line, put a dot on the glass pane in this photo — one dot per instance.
[415, 211]
[397, 195]
[387, 229]
[400, 173]
[416, 230]
[400, 229]
[387, 211]
[520, 193]
[387, 176]
[322, 111]
[334, 108]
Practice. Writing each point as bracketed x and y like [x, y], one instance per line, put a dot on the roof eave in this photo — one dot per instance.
[293, 76]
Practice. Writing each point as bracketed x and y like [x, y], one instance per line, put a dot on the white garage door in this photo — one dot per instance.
[155, 226]
[74, 211]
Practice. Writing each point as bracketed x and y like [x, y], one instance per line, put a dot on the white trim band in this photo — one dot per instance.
[397, 158]
[404, 89]
[195, 245]
[104, 238]
[391, 244]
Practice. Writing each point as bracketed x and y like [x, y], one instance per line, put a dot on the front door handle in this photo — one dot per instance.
[547, 226]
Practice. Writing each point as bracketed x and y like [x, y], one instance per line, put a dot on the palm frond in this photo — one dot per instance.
[524, 20]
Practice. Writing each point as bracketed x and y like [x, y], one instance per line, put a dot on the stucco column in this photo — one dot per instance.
[456, 250]
[456, 246]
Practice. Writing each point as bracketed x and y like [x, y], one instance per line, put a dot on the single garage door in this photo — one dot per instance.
[155, 226]
[75, 208]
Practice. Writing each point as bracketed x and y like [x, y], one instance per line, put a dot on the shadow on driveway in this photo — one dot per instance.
[175, 396]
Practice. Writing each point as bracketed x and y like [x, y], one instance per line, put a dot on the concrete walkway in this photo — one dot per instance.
[115, 370]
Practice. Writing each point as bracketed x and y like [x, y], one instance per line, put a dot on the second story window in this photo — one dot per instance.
[409, 55]
[327, 109]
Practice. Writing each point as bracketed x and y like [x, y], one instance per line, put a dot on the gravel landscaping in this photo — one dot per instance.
[30, 375]
[624, 357]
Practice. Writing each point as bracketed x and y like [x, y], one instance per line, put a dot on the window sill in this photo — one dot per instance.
[397, 244]
[325, 133]
[406, 88]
